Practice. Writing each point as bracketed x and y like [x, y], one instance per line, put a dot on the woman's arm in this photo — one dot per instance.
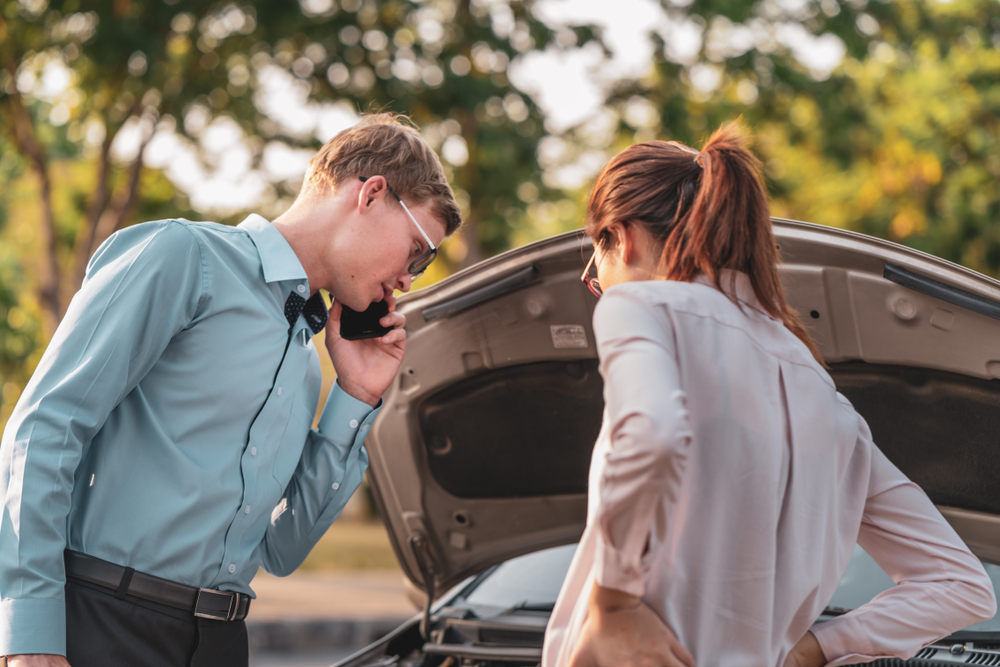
[649, 431]
[649, 436]
[942, 587]
[806, 653]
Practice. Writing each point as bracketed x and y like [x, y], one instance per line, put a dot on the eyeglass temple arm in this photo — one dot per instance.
[430, 243]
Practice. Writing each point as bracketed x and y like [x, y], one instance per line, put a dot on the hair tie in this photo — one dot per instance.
[697, 160]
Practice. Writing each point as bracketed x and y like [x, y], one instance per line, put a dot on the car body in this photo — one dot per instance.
[479, 458]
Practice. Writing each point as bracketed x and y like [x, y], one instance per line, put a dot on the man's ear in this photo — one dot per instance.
[372, 188]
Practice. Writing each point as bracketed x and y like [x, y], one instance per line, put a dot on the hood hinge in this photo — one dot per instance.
[421, 552]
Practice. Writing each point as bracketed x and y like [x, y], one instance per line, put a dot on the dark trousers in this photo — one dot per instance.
[105, 631]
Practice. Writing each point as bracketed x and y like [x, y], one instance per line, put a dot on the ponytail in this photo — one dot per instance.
[709, 209]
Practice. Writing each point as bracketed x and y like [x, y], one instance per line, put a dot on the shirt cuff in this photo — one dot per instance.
[842, 638]
[344, 416]
[32, 625]
[614, 569]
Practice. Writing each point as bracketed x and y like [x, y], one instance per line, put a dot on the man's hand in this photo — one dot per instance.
[806, 653]
[36, 660]
[621, 631]
[366, 368]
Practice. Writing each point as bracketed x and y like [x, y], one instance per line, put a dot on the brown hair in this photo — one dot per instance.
[707, 209]
[382, 145]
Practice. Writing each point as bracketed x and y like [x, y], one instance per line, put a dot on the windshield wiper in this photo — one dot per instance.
[524, 605]
[455, 612]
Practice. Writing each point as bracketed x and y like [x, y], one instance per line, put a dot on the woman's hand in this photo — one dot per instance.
[366, 368]
[806, 653]
[621, 631]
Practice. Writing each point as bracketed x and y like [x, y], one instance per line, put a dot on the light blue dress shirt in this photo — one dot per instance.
[167, 427]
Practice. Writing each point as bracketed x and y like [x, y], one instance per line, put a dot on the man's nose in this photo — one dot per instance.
[403, 281]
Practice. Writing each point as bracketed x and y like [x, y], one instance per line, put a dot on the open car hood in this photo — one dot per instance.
[482, 449]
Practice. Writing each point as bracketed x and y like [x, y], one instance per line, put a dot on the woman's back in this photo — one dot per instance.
[730, 481]
[756, 546]
[758, 474]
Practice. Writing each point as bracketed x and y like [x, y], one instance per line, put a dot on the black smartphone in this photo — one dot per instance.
[356, 325]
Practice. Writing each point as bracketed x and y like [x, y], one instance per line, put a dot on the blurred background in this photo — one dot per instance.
[875, 116]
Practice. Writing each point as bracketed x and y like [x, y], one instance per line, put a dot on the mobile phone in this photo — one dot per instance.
[356, 325]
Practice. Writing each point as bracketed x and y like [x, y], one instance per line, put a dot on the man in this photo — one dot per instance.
[164, 441]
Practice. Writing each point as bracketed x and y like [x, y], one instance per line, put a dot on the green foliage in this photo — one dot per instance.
[18, 331]
[22, 337]
[442, 62]
[18, 327]
[11, 166]
[900, 140]
[904, 143]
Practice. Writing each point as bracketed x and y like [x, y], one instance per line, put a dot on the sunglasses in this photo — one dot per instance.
[420, 264]
[592, 283]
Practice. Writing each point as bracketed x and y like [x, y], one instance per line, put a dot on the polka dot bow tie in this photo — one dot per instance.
[314, 310]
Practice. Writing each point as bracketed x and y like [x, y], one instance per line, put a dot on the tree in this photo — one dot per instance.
[905, 142]
[132, 64]
[874, 116]
[18, 332]
[894, 132]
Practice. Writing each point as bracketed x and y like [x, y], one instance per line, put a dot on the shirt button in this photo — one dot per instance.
[301, 289]
[336, 485]
[232, 568]
[253, 451]
[364, 428]
[354, 423]
[279, 391]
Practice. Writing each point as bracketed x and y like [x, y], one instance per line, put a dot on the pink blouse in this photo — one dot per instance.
[730, 483]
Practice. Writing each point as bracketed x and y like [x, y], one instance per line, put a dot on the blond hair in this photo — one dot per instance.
[385, 144]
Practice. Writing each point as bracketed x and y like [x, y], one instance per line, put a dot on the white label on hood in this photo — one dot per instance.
[568, 335]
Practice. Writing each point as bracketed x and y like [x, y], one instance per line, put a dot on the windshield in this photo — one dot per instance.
[534, 580]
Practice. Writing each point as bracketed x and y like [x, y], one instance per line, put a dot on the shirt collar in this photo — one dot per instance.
[735, 284]
[276, 257]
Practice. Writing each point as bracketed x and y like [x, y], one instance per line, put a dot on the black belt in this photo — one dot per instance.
[202, 602]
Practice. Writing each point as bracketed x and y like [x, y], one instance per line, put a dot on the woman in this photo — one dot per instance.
[730, 480]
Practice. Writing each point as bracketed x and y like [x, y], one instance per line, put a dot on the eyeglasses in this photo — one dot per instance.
[420, 264]
[592, 284]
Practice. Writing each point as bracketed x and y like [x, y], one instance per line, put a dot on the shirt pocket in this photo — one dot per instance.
[290, 446]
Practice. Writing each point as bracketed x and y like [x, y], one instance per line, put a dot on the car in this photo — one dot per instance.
[479, 458]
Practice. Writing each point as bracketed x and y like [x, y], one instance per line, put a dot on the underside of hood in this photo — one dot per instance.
[482, 449]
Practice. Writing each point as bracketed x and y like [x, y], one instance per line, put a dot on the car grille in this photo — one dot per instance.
[941, 655]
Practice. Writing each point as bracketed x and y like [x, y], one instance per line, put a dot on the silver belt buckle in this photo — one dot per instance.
[234, 599]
